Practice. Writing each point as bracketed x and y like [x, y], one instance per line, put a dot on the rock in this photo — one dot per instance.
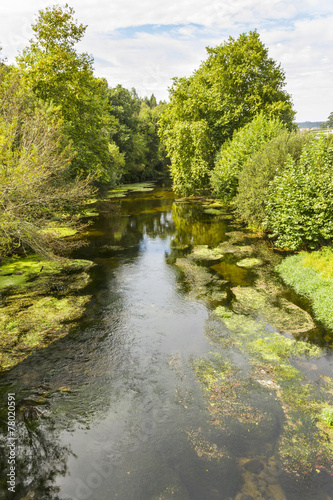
[254, 466]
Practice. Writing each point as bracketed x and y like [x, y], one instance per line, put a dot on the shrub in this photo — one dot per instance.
[260, 169]
[234, 153]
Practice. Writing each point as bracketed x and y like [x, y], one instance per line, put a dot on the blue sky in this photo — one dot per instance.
[145, 44]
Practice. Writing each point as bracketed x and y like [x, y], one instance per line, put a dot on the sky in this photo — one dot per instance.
[145, 44]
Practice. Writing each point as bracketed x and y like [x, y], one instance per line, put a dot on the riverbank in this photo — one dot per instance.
[311, 274]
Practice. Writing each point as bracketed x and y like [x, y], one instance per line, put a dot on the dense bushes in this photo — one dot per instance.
[300, 199]
[234, 153]
[259, 170]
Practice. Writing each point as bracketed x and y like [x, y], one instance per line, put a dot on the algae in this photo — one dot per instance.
[204, 448]
[40, 303]
[203, 252]
[59, 231]
[285, 316]
[303, 445]
[247, 263]
[122, 191]
[231, 272]
[201, 282]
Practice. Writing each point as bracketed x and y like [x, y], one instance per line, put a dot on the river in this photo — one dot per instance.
[118, 408]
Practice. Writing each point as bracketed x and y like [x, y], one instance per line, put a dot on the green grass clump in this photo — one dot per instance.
[311, 274]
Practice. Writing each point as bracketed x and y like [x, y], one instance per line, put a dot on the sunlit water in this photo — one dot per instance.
[108, 410]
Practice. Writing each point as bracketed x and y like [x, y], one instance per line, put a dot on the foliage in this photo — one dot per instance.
[300, 199]
[328, 123]
[327, 415]
[310, 274]
[189, 147]
[234, 153]
[236, 82]
[135, 133]
[259, 170]
[36, 184]
[55, 72]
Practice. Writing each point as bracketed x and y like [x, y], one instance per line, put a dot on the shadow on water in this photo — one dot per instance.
[114, 410]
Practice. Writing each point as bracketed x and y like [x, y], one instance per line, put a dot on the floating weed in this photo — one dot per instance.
[201, 282]
[231, 272]
[247, 263]
[286, 316]
[303, 446]
[203, 252]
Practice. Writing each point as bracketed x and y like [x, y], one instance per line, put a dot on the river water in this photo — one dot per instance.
[115, 410]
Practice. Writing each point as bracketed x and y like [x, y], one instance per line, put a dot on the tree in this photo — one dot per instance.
[55, 72]
[328, 123]
[236, 82]
[136, 133]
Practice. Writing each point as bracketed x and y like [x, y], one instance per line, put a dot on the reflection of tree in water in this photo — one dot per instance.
[39, 456]
[115, 233]
[193, 227]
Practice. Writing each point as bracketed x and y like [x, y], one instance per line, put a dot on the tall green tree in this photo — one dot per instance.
[237, 81]
[136, 133]
[55, 72]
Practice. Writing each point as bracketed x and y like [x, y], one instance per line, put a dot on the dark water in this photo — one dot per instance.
[106, 413]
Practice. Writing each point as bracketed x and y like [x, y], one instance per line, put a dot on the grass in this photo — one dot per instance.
[326, 415]
[311, 274]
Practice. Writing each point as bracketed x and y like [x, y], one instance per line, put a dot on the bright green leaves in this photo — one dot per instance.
[300, 199]
[189, 147]
[236, 82]
[55, 72]
[55, 27]
[35, 178]
[234, 153]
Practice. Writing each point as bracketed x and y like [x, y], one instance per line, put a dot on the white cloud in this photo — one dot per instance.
[297, 32]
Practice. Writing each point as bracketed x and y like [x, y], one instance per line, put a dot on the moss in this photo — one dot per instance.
[203, 252]
[59, 232]
[285, 316]
[250, 262]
